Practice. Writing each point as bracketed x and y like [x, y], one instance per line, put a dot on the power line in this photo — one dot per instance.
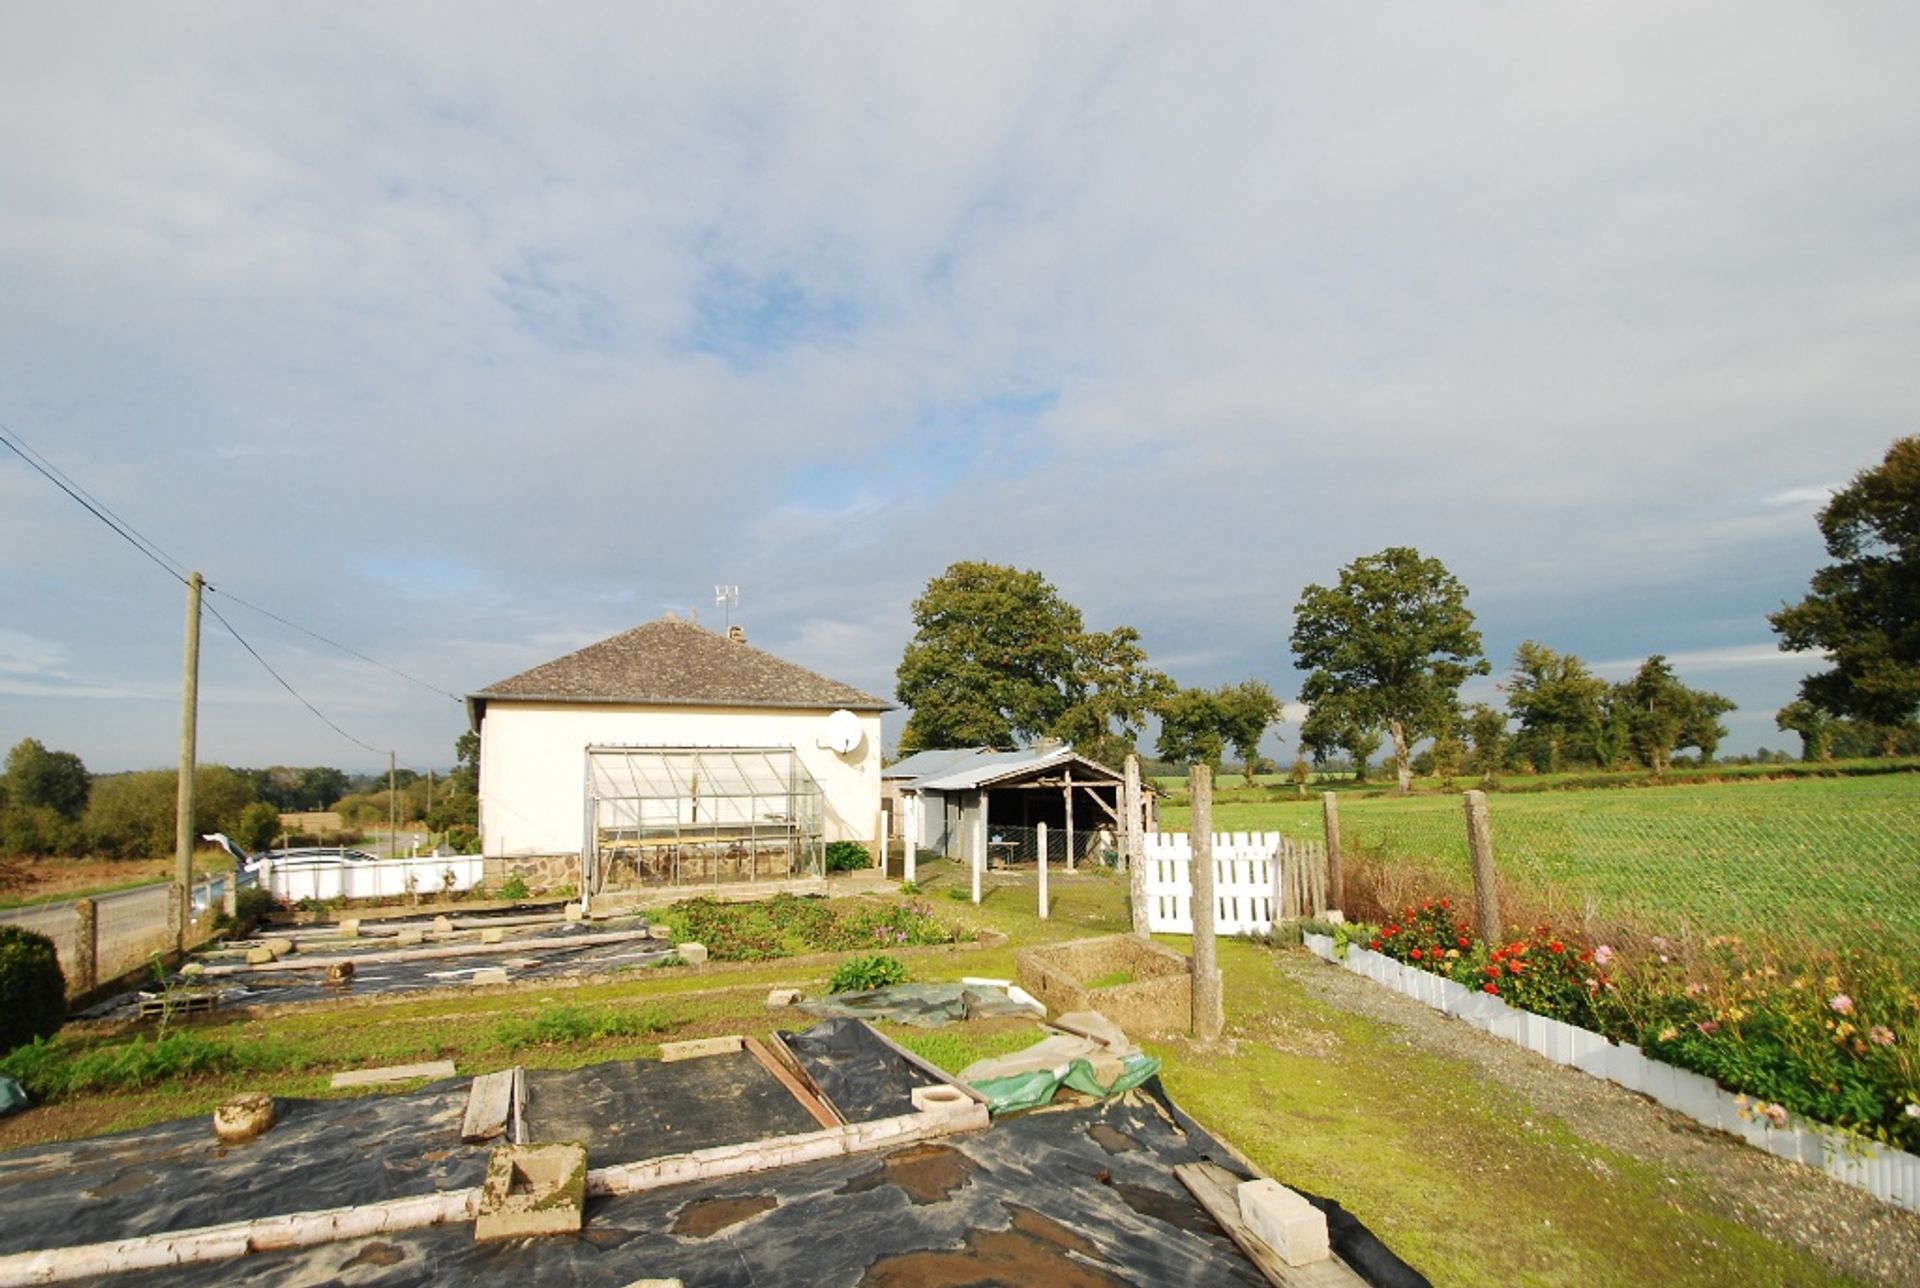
[288, 687]
[99, 509]
[344, 648]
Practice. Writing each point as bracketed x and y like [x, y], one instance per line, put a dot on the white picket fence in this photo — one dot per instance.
[292, 880]
[1254, 874]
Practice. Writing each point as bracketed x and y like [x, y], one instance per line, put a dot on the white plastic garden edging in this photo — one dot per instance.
[1890, 1175]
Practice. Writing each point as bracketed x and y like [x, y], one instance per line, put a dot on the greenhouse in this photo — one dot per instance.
[663, 816]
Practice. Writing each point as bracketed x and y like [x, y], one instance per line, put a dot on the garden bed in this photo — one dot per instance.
[787, 926]
[1889, 1174]
[1157, 996]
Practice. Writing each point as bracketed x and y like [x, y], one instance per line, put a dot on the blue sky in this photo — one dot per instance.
[471, 334]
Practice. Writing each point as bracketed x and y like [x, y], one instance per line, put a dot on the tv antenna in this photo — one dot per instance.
[726, 597]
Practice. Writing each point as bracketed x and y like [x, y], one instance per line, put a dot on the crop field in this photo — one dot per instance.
[1831, 860]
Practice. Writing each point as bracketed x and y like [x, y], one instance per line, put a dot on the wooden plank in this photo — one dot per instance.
[1217, 1190]
[810, 1102]
[322, 961]
[698, 1048]
[931, 1070]
[393, 1073]
[489, 1106]
[777, 1045]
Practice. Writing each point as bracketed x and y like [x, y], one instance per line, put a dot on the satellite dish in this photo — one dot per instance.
[841, 732]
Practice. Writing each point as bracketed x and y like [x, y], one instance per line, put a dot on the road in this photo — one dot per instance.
[129, 924]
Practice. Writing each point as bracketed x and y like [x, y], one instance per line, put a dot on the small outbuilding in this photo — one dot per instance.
[954, 801]
[670, 756]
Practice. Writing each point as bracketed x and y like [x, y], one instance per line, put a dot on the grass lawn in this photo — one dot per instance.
[1469, 1183]
[1835, 857]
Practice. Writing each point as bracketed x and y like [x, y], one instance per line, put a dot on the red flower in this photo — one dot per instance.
[1492, 972]
[1490, 988]
[1462, 941]
[1587, 956]
[1416, 954]
[1375, 945]
[1513, 968]
[1443, 903]
[1556, 947]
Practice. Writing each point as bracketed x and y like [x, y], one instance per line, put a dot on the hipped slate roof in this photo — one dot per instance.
[669, 662]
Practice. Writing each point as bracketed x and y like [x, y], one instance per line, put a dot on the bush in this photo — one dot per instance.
[847, 856]
[33, 990]
[514, 887]
[859, 974]
[250, 907]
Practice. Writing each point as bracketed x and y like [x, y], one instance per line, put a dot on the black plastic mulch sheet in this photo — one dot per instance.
[861, 1075]
[925, 1005]
[1079, 1199]
[177, 1175]
[640, 1109]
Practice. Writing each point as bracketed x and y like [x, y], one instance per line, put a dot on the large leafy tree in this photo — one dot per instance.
[1391, 645]
[1198, 725]
[1814, 726]
[1112, 691]
[1560, 705]
[1663, 714]
[1864, 608]
[37, 778]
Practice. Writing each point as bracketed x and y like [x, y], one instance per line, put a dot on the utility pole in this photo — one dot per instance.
[182, 902]
[393, 805]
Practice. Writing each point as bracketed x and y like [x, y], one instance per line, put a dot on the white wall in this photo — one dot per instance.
[533, 764]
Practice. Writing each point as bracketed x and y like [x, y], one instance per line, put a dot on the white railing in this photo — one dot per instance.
[1255, 875]
[292, 880]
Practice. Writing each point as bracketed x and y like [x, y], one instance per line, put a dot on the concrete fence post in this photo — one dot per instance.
[1040, 844]
[1133, 844]
[979, 851]
[1486, 893]
[1336, 874]
[86, 947]
[1209, 1015]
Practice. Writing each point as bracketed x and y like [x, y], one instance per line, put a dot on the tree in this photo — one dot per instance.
[1247, 710]
[1864, 608]
[1113, 690]
[259, 824]
[1813, 725]
[990, 661]
[1559, 704]
[1487, 731]
[1663, 714]
[1392, 643]
[321, 786]
[38, 778]
[1192, 729]
[130, 816]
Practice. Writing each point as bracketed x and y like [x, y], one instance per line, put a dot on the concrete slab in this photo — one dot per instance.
[695, 1048]
[392, 1073]
[532, 1190]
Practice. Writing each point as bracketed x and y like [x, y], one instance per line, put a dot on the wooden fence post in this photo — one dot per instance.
[86, 947]
[1133, 845]
[880, 843]
[1486, 894]
[1040, 843]
[979, 849]
[1208, 1007]
[1336, 875]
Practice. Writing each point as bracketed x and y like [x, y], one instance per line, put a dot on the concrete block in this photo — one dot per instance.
[490, 975]
[659, 932]
[410, 938]
[278, 946]
[531, 1190]
[392, 1073]
[780, 997]
[694, 1048]
[259, 956]
[692, 954]
[492, 935]
[442, 926]
[249, 1114]
[1294, 1228]
[349, 928]
[939, 1098]
[574, 913]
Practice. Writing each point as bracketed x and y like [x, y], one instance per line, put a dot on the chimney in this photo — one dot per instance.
[738, 634]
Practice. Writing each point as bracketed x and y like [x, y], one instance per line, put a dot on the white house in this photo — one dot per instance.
[673, 755]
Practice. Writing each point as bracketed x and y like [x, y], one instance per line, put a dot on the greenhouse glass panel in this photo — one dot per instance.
[667, 816]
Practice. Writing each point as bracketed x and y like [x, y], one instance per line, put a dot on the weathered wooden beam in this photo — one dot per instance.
[517, 946]
[777, 1045]
[1217, 1190]
[808, 1101]
[489, 1107]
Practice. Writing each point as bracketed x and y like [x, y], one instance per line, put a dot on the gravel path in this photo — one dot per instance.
[1848, 1228]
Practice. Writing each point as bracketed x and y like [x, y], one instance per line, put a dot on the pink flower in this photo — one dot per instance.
[1841, 1003]
[1880, 1035]
[1776, 1114]
[1602, 955]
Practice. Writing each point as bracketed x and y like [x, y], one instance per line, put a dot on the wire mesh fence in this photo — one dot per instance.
[1767, 866]
[1009, 844]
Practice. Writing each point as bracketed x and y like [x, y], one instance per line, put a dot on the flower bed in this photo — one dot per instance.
[1768, 1054]
[785, 925]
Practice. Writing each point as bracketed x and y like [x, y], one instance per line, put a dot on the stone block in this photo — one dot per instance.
[278, 946]
[259, 956]
[780, 997]
[492, 935]
[531, 1190]
[659, 932]
[246, 1115]
[695, 1048]
[349, 928]
[412, 937]
[490, 975]
[939, 1098]
[442, 926]
[1284, 1221]
[692, 954]
[575, 913]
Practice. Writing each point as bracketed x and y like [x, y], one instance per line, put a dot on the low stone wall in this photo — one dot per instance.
[1158, 1000]
[543, 873]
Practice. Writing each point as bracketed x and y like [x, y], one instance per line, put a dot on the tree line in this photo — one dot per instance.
[999, 658]
[50, 803]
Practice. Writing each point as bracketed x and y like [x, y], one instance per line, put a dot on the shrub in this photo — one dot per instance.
[859, 974]
[572, 1026]
[514, 887]
[251, 906]
[33, 990]
[846, 856]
